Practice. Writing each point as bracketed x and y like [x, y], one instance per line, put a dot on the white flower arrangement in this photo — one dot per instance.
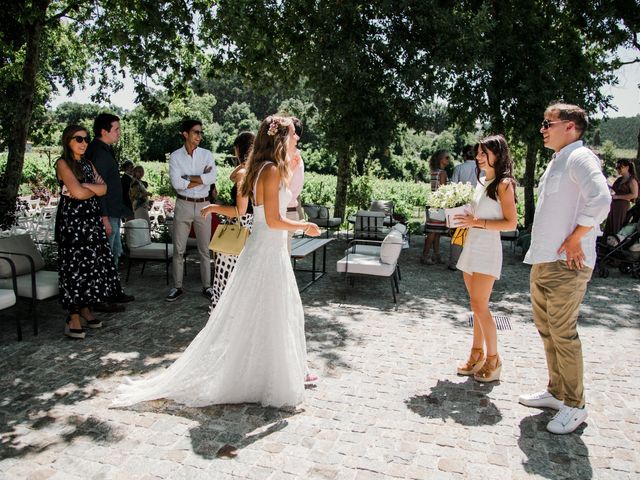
[451, 195]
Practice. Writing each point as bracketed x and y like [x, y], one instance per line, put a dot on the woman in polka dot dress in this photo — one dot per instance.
[224, 264]
[86, 271]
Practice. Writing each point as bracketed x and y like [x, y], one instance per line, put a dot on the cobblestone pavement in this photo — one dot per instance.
[388, 403]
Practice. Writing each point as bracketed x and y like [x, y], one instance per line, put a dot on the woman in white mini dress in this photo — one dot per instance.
[493, 211]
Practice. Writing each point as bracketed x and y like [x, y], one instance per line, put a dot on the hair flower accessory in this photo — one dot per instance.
[273, 128]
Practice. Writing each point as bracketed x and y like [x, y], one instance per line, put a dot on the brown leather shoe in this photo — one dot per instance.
[490, 371]
[474, 362]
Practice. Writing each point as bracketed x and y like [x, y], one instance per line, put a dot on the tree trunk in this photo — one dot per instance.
[22, 121]
[342, 183]
[529, 182]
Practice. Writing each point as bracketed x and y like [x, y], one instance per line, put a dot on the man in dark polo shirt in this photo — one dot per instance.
[106, 130]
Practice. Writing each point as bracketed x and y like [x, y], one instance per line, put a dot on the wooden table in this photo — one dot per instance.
[301, 247]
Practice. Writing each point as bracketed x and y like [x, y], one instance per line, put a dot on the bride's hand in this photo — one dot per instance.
[312, 230]
[207, 210]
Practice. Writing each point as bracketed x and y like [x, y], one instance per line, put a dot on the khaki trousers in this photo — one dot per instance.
[185, 214]
[556, 294]
[291, 216]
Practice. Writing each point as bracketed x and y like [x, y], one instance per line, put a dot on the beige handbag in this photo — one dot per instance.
[229, 238]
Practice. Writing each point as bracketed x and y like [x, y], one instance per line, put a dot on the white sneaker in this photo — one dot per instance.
[567, 420]
[541, 399]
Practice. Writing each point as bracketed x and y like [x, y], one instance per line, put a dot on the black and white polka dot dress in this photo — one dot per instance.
[224, 265]
[86, 272]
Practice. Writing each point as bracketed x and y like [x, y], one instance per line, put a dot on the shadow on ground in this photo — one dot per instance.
[223, 430]
[553, 456]
[465, 403]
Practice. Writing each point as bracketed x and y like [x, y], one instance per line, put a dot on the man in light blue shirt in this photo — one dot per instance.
[573, 200]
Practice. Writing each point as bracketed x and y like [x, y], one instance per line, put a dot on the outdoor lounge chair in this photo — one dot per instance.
[143, 249]
[319, 214]
[9, 296]
[31, 280]
[364, 259]
[370, 225]
[385, 206]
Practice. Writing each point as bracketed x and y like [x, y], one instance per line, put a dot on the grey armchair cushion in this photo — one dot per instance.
[20, 244]
[316, 211]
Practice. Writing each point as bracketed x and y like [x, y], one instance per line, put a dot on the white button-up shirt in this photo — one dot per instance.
[181, 163]
[465, 173]
[572, 191]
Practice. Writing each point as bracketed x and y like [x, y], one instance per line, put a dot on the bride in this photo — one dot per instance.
[253, 347]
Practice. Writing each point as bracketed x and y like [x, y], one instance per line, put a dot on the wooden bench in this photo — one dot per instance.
[301, 247]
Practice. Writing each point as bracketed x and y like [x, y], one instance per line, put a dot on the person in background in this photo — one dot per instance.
[106, 128]
[573, 199]
[192, 170]
[463, 173]
[623, 192]
[294, 209]
[86, 272]
[139, 195]
[224, 264]
[435, 225]
[125, 180]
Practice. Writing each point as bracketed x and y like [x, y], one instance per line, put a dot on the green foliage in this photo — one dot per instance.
[608, 156]
[623, 131]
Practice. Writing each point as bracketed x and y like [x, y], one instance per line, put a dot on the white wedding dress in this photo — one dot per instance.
[253, 347]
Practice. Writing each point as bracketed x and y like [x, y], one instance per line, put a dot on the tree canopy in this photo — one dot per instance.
[372, 72]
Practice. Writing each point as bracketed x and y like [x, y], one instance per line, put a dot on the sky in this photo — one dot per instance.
[626, 95]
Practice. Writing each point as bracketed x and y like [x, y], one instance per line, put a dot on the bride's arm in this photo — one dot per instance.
[270, 181]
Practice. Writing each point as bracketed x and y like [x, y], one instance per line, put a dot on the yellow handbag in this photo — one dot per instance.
[459, 236]
[229, 238]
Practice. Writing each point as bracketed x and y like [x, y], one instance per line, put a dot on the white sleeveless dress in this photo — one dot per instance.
[482, 251]
[252, 349]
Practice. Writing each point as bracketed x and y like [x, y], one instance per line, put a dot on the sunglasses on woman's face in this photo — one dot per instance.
[80, 139]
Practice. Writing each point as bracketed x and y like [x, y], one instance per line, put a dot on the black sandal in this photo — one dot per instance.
[73, 332]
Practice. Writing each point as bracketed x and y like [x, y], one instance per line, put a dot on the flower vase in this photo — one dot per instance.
[450, 213]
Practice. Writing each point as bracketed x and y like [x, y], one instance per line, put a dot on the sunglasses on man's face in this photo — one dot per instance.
[546, 124]
[80, 139]
[197, 132]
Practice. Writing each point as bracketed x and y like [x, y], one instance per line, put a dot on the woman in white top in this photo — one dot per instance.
[494, 210]
[252, 349]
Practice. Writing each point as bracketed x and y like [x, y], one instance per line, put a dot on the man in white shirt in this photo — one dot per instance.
[294, 209]
[463, 173]
[573, 200]
[192, 171]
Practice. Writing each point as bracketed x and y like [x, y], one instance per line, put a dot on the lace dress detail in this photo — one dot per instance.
[252, 349]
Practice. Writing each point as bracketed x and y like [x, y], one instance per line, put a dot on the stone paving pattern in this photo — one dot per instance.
[388, 403]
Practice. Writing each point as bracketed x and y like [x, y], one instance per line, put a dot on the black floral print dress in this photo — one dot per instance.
[86, 272]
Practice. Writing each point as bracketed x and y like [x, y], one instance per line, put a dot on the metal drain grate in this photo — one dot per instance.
[503, 322]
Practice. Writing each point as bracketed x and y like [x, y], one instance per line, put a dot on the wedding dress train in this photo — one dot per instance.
[253, 347]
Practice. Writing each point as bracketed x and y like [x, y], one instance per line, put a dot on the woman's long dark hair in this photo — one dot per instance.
[244, 143]
[67, 155]
[503, 165]
[632, 168]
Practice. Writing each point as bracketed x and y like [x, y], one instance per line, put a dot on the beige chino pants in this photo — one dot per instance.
[556, 294]
[185, 214]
